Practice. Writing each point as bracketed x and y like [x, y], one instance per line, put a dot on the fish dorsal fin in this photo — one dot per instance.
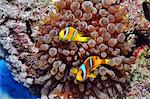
[92, 75]
[97, 62]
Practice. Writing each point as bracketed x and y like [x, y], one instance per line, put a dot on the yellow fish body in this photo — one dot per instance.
[71, 34]
[89, 65]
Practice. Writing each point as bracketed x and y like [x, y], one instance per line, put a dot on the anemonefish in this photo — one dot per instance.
[90, 64]
[71, 34]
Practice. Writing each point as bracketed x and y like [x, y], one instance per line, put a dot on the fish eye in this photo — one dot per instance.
[96, 57]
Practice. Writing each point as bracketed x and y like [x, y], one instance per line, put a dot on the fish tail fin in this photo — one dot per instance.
[103, 61]
[84, 39]
[107, 61]
[74, 70]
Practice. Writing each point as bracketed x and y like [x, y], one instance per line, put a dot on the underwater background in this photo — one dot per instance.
[9, 88]
[75, 49]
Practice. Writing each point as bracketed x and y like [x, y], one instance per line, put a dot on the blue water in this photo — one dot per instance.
[9, 88]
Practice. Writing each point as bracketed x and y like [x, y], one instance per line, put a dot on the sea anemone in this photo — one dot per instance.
[102, 21]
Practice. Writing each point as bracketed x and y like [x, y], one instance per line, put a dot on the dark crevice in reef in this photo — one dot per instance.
[53, 85]
[28, 9]
[5, 20]
[16, 19]
[35, 89]
[22, 60]
[5, 52]
[41, 72]
[64, 44]
[10, 1]
[142, 38]
[146, 9]
[64, 79]
[29, 30]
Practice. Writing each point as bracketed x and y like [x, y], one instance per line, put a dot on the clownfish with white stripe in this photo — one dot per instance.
[71, 34]
[90, 64]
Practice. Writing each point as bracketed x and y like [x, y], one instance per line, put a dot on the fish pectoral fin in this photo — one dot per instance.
[92, 75]
[74, 70]
[80, 34]
[96, 67]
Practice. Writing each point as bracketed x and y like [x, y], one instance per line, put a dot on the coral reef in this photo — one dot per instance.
[29, 36]
[140, 74]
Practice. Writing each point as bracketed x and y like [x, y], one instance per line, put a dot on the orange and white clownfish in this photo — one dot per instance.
[71, 34]
[89, 65]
